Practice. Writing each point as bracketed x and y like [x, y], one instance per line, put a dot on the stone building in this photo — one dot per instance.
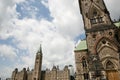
[56, 74]
[22, 75]
[98, 57]
[35, 74]
[38, 74]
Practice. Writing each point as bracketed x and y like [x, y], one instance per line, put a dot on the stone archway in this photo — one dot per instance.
[112, 74]
[109, 57]
[109, 65]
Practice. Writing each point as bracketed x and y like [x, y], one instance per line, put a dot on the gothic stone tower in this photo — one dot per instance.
[38, 64]
[99, 58]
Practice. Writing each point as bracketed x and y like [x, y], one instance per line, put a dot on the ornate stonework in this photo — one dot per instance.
[100, 60]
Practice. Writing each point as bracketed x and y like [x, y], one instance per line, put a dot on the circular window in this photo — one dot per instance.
[104, 42]
[110, 33]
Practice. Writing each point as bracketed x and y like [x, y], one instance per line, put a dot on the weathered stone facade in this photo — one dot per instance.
[100, 59]
[21, 75]
[56, 74]
[38, 74]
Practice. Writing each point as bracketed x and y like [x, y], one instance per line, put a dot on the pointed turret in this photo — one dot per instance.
[40, 49]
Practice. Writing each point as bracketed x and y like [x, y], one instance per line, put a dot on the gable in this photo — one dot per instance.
[105, 42]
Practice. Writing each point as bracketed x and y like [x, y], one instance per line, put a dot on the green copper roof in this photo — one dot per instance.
[81, 46]
[117, 24]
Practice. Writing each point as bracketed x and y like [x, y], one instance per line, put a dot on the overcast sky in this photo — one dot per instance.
[25, 24]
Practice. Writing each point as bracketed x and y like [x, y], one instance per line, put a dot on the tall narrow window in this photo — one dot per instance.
[84, 62]
[93, 21]
[86, 76]
[100, 19]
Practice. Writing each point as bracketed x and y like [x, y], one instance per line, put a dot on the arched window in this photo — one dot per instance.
[109, 65]
[84, 62]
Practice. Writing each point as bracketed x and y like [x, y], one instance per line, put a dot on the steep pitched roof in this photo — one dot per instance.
[117, 24]
[81, 46]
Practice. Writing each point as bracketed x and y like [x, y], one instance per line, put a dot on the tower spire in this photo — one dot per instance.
[40, 49]
[38, 65]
